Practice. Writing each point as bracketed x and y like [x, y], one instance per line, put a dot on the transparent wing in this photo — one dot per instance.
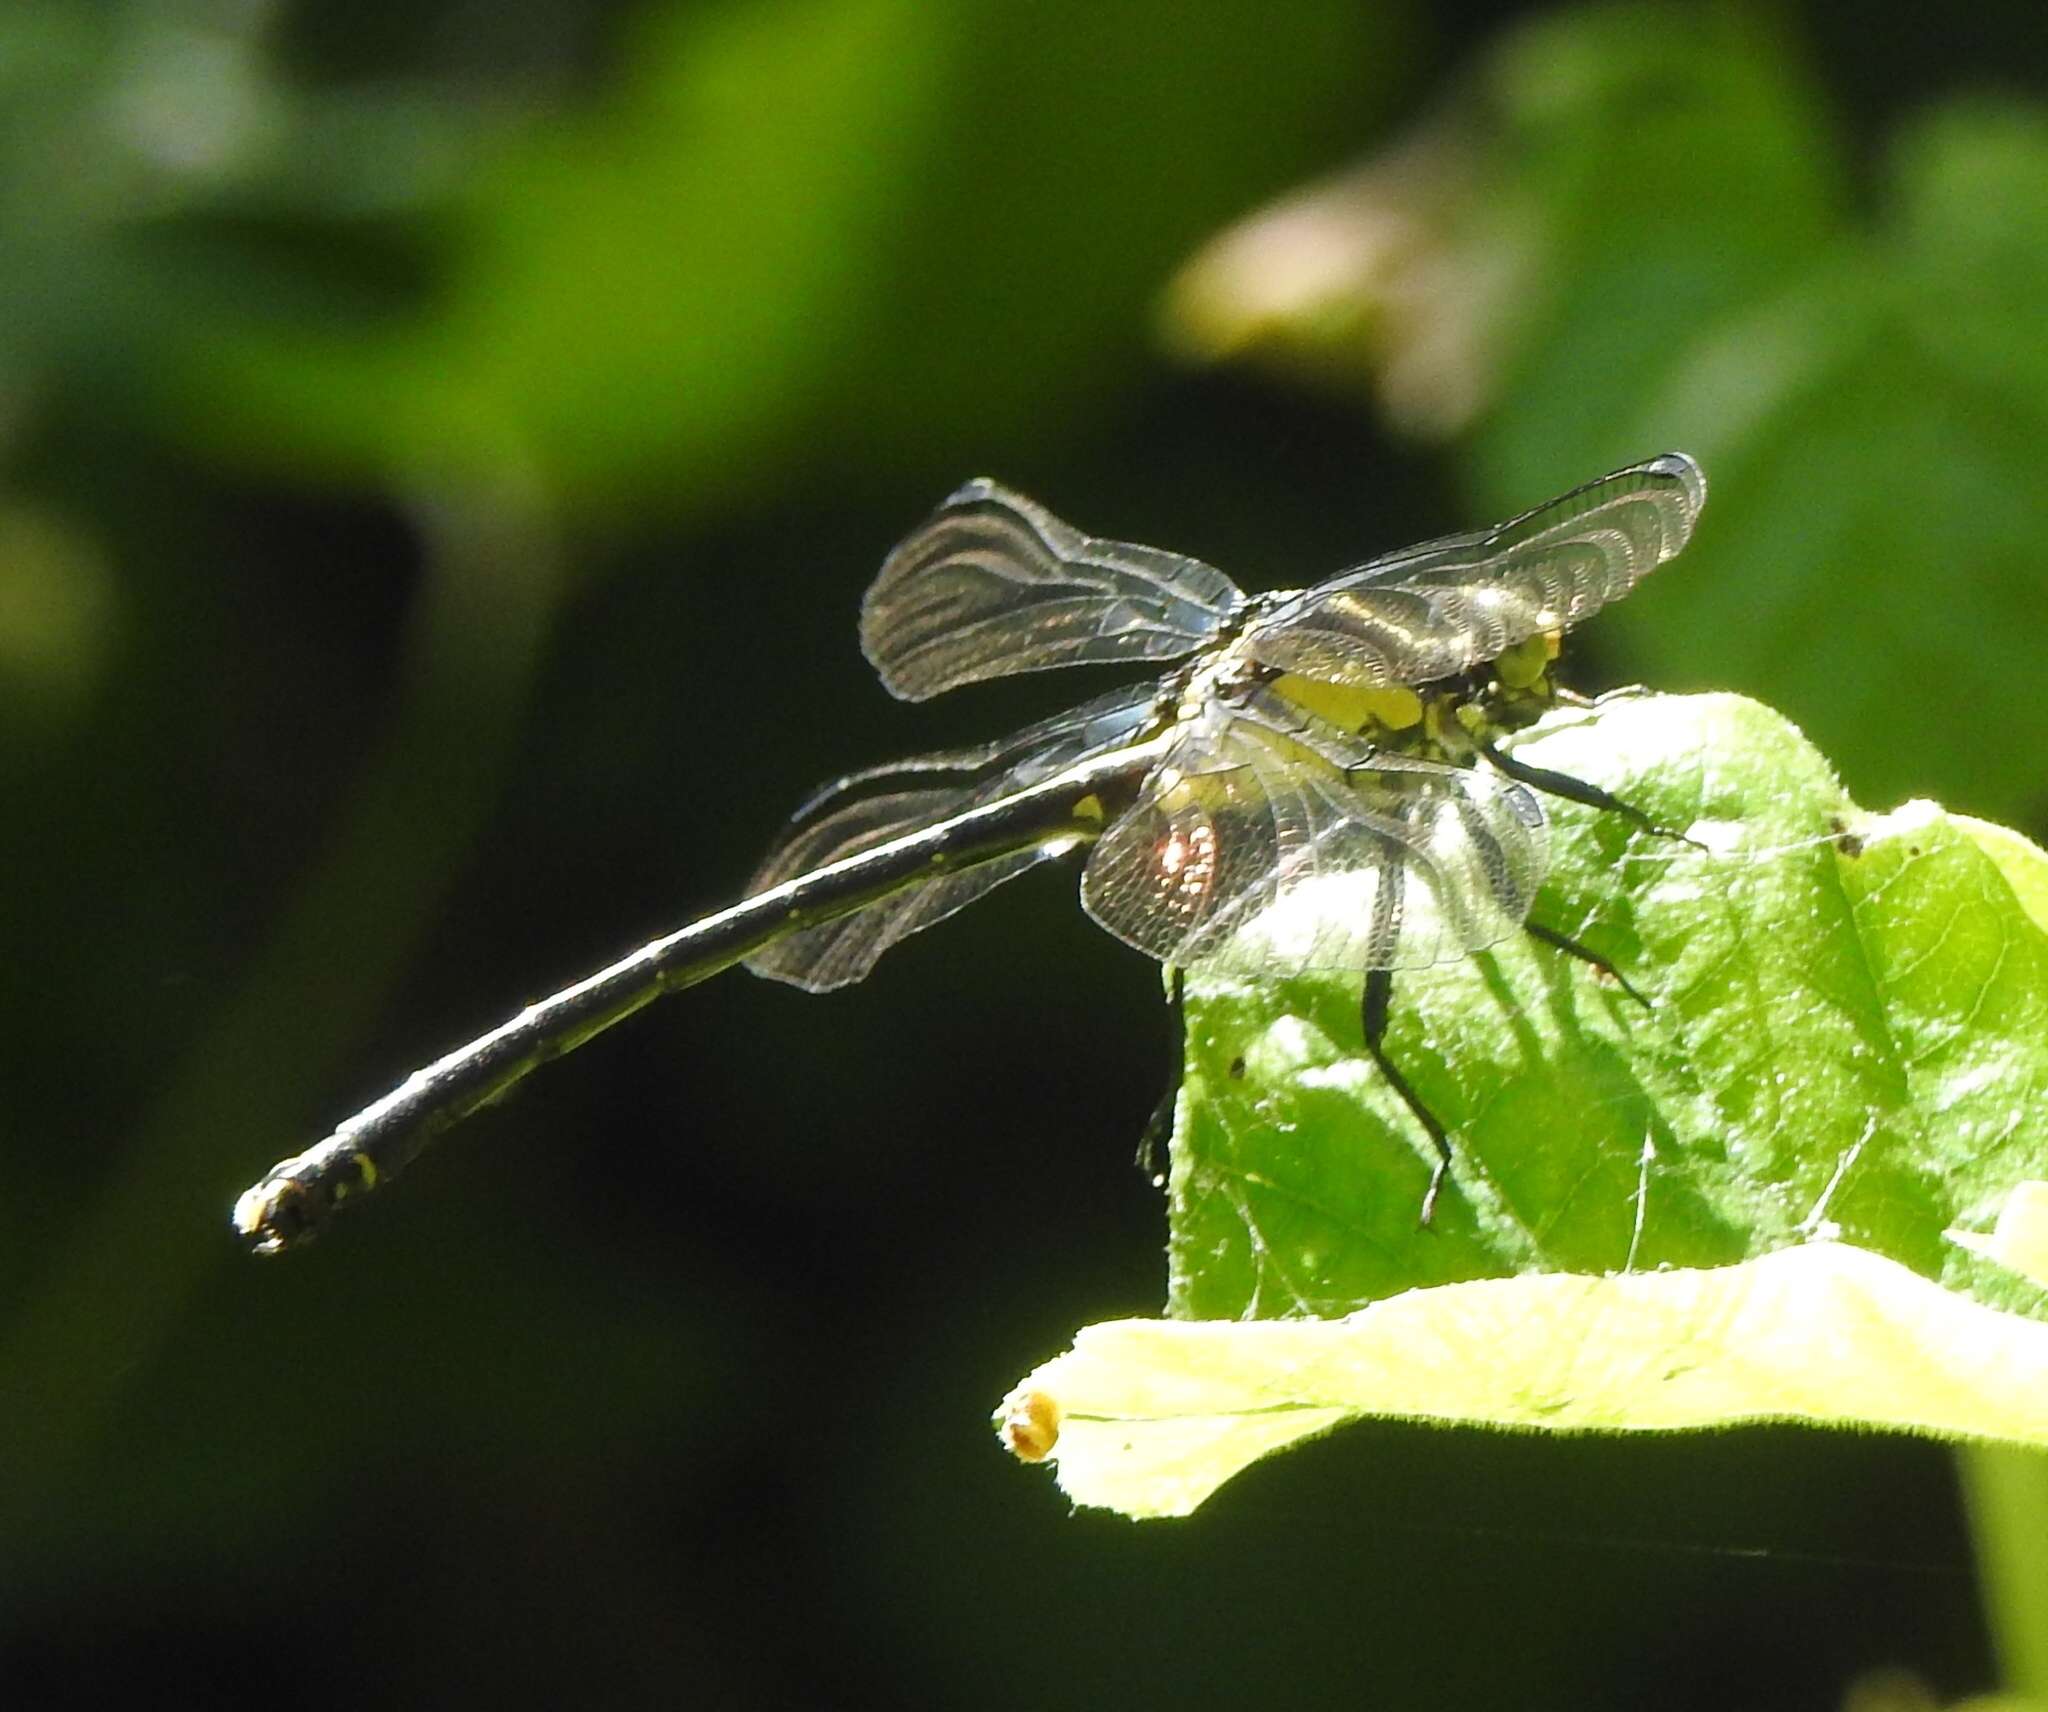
[843, 951]
[993, 583]
[838, 953]
[1429, 611]
[1266, 846]
[1091, 728]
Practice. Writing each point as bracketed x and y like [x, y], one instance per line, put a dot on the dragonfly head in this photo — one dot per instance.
[289, 1208]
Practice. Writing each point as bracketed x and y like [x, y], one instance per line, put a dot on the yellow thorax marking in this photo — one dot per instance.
[1522, 666]
[1353, 707]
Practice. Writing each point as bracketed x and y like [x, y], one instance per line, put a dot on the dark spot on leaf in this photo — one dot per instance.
[1237, 1068]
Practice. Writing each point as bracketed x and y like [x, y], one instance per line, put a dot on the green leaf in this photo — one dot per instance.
[1150, 1416]
[1844, 1035]
[1534, 251]
[1636, 149]
[1817, 1124]
[2023, 863]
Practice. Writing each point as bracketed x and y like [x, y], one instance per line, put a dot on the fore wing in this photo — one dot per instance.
[1429, 611]
[993, 583]
[1261, 848]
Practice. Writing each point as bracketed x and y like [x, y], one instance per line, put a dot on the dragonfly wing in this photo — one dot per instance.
[1260, 850]
[993, 583]
[1429, 611]
[838, 953]
[1036, 752]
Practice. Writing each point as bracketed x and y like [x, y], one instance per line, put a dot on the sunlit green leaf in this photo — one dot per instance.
[1152, 1416]
[1807, 1067]
[1839, 1069]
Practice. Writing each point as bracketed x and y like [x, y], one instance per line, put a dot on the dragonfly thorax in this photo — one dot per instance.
[1444, 720]
[1225, 674]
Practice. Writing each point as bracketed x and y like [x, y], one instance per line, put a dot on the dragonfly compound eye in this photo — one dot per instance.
[288, 1208]
[275, 1214]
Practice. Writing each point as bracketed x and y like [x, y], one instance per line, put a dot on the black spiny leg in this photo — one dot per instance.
[1160, 1124]
[1578, 791]
[1585, 954]
[1379, 993]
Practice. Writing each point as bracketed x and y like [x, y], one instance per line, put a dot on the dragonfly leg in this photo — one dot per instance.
[1585, 954]
[1578, 791]
[1159, 1126]
[1379, 993]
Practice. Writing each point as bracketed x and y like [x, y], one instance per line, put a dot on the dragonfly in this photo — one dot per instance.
[1316, 783]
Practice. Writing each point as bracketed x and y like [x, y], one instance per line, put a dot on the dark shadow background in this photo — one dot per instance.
[441, 450]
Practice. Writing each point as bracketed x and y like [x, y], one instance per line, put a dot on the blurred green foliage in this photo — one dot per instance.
[754, 243]
[440, 449]
[1638, 226]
